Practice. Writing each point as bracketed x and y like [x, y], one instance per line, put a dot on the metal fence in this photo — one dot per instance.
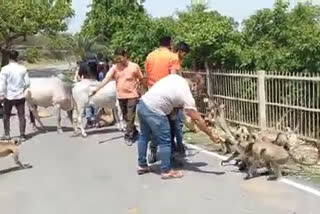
[268, 99]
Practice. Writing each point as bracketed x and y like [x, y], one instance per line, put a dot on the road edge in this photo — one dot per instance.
[286, 181]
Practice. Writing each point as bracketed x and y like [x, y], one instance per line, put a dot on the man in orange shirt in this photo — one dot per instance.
[161, 62]
[128, 77]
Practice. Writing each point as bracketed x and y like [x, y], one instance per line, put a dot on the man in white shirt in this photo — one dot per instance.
[14, 79]
[170, 92]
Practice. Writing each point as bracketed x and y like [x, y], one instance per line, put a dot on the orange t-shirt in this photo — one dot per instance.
[159, 63]
[127, 80]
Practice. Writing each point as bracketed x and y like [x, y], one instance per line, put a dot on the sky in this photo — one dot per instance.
[238, 9]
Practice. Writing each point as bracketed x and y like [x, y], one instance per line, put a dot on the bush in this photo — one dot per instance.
[32, 55]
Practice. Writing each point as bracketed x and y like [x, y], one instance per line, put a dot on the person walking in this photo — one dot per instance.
[14, 79]
[128, 77]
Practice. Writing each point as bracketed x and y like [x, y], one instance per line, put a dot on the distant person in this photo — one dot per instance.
[88, 70]
[103, 68]
[14, 79]
[77, 77]
[128, 77]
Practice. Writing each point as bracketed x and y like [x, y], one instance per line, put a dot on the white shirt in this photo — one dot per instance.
[170, 92]
[14, 79]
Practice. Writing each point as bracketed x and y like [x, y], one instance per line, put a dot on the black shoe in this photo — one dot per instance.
[152, 157]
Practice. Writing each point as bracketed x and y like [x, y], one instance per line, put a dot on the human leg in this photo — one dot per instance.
[131, 115]
[144, 137]
[7, 107]
[20, 106]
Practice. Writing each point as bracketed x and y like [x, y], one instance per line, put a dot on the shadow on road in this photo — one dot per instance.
[102, 131]
[187, 166]
[13, 169]
[110, 139]
[47, 129]
[195, 167]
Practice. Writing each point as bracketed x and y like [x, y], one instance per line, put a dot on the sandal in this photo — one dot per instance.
[172, 174]
[142, 171]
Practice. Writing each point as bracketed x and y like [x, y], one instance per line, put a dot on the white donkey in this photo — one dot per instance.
[46, 92]
[105, 98]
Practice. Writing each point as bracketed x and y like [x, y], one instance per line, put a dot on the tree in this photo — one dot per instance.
[127, 25]
[212, 37]
[108, 16]
[22, 18]
[283, 39]
[83, 44]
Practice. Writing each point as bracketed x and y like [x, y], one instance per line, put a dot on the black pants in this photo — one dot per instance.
[128, 108]
[20, 106]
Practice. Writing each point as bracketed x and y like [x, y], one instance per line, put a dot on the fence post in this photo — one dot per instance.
[208, 78]
[262, 99]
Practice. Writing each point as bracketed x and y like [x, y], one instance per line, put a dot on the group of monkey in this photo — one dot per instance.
[251, 150]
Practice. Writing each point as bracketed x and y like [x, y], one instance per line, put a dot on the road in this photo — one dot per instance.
[49, 71]
[98, 175]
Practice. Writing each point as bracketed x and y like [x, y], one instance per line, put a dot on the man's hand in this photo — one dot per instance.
[1, 98]
[195, 116]
[215, 138]
[93, 93]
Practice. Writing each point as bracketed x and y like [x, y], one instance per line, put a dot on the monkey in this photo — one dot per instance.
[11, 147]
[216, 117]
[241, 160]
[242, 138]
[283, 139]
[272, 155]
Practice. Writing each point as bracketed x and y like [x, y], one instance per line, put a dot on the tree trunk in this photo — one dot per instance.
[5, 57]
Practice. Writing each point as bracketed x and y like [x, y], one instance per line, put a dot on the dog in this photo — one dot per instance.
[8, 147]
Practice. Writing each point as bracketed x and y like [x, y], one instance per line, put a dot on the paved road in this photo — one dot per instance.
[49, 71]
[82, 176]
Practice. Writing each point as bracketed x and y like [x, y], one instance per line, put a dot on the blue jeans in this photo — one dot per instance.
[178, 126]
[176, 133]
[90, 112]
[157, 126]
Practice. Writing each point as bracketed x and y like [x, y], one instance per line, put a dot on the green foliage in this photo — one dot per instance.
[18, 18]
[272, 39]
[83, 43]
[283, 39]
[32, 55]
[61, 42]
[21, 18]
[213, 37]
